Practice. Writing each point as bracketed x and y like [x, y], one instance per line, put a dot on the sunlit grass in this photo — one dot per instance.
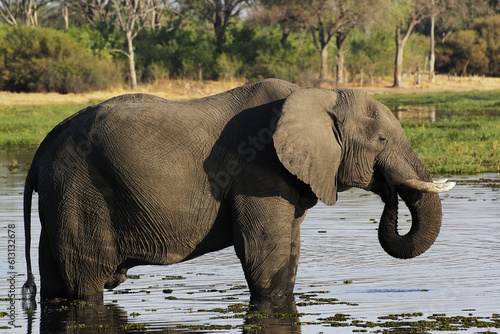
[465, 138]
[25, 126]
[457, 146]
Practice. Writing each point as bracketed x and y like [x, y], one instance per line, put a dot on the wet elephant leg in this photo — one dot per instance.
[267, 242]
[52, 284]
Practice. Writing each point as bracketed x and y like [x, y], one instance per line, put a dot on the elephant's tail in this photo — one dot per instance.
[29, 288]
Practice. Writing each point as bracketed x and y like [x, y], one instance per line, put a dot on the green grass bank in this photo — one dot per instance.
[464, 139]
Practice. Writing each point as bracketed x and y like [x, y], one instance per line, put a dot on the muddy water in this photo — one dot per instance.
[344, 278]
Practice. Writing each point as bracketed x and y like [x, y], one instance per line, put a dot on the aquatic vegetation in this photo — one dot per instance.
[238, 287]
[133, 326]
[171, 298]
[134, 276]
[411, 322]
[168, 278]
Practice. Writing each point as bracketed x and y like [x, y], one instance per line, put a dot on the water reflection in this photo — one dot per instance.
[414, 113]
[344, 276]
[94, 317]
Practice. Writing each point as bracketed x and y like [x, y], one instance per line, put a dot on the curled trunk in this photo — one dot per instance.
[422, 199]
[426, 216]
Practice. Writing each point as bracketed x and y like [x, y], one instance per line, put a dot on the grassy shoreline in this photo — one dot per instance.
[465, 138]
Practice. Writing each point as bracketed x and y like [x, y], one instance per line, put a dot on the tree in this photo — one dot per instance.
[321, 18]
[352, 15]
[326, 20]
[219, 13]
[279, 12]
[464, 52]
[439, 8]
[488, 29]
[447, 16]
[131, 17]
[432, 53]
[94, 11]
[408, 14]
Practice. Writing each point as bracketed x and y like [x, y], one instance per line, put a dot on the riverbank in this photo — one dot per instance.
[463, 139]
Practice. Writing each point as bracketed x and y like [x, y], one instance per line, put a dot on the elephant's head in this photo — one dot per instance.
[334, 140]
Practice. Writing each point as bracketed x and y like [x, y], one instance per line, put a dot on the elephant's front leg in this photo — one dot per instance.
[267, 241]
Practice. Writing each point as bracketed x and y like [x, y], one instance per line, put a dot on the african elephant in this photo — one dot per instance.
[141, 180]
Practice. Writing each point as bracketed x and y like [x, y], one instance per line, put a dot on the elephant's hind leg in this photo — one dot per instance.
[52, 284]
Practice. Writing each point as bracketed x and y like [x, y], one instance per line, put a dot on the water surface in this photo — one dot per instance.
[344, 275]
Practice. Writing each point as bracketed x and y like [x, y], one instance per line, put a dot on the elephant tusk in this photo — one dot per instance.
[434, 187]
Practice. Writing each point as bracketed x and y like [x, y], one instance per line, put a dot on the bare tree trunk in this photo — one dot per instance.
[418, 75]
[284, 35]
[131, 57]
[30, 14]
[65, 13]
[218, 26]
[398, 65]
[432, 55]
[323, 72]
[340, 59]
[340, 68]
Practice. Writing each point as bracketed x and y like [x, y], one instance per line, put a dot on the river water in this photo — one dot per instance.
[344, 279]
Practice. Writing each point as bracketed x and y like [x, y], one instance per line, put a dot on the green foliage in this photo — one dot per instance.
[185, 51]
[462, 54]
[188, 51]
[369, 53]
[269, 58]
[416, 50]
[86, 58]
[227, 66]
[43, 59]
[475, 51]
[489, 30]
[99, 40]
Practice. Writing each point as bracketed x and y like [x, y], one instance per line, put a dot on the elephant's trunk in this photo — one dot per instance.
[426, 222]
[424, 204]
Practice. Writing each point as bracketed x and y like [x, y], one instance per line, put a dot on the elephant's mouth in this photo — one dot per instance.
[422, 199]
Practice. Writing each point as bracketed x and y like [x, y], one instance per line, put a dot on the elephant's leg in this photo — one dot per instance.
[267, 241]
[52, 284]
[69, 280]
[118, 277]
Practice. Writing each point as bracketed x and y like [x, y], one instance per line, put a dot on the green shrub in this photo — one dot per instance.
[463, 53]
[45, 60]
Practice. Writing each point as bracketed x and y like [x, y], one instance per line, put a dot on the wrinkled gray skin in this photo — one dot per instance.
[141, 180]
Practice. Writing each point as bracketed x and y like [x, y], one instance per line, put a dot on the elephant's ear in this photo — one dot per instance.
[306, 143]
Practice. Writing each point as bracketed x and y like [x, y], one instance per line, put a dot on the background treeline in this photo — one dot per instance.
[80, 45]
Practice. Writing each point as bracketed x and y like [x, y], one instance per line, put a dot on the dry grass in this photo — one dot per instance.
[189, 89]
[171, 89]
[441, 83]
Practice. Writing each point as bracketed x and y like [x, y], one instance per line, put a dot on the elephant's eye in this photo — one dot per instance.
[383, 138]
